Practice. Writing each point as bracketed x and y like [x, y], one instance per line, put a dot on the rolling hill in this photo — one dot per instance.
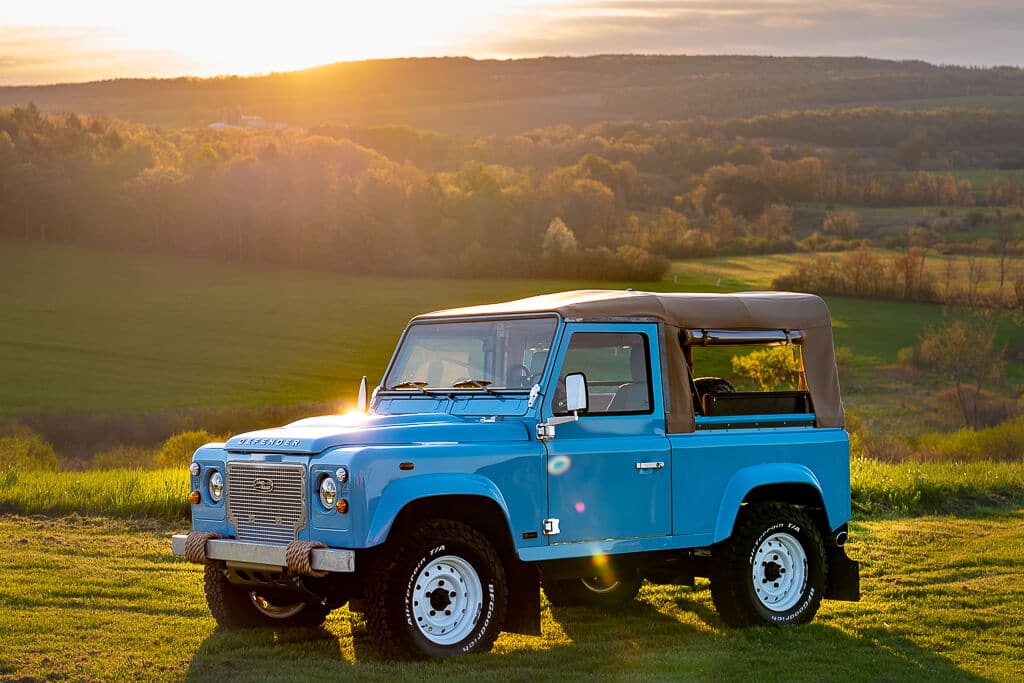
[476, 97]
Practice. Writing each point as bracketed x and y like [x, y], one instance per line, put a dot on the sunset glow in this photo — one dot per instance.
[64, 40]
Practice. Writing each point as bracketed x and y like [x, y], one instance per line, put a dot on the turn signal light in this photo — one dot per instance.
[342, 506]
[194, 498]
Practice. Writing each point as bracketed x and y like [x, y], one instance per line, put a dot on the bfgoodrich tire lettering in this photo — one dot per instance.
[772, 571]
[439, 591]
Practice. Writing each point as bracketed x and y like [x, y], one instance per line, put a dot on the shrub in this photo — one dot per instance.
[770, 367]
[23, 449]
[1004, 442]
[177, 451]
[844, 356]
[122, 456]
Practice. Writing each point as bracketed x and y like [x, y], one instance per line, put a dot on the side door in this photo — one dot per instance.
[609, 473]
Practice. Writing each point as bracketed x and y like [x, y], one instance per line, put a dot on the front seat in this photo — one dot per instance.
[633, 396]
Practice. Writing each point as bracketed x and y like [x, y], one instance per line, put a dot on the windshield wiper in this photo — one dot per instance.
[422, 386]
[474, 384]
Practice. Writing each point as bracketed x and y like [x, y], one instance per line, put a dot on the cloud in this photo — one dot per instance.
[942, 31]
[62, 54]
[982, 32]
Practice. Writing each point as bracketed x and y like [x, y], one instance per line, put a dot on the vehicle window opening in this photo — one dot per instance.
[618, 371]
[746, 372]
[473, 355]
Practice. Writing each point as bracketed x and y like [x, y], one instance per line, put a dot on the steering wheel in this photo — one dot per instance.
[525, 378]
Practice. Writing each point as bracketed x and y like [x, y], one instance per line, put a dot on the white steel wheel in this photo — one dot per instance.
[272, 611]
[772, 570]
[438, 590]
[779, 572]
[448, 600]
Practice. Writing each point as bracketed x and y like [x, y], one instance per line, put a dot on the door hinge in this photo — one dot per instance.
[545, 432]
[551, 527]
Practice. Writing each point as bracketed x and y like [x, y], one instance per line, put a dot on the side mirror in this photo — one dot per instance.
[575, 401]
[576, 392]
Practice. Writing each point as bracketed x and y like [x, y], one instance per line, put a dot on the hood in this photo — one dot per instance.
[317, 434]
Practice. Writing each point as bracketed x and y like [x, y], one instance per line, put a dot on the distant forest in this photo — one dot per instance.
[612, 200]
[488, 97]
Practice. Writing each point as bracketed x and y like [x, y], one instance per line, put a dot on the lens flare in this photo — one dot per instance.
[559, 464]
[581, 507]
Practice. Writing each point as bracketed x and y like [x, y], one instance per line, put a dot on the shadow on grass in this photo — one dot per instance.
[665, 635]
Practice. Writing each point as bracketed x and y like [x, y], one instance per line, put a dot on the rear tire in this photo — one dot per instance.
[609, 591]
[440, 591]
[240, 606]
[772, 571]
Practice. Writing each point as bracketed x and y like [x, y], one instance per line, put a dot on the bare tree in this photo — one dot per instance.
[966, 352]
[974, 271]
[1006, 236]
[947, 293]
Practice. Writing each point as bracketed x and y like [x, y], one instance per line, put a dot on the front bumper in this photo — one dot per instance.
[271, 557]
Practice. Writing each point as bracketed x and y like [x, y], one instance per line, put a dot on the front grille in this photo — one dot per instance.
[266, 502]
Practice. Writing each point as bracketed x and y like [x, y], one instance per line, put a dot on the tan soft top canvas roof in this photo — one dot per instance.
[739, 311]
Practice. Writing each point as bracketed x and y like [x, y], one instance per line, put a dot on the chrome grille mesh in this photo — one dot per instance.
[265, 512]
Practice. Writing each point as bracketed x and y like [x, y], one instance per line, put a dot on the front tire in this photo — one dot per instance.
[440, 591]
[598, 591]
[238, 606]
[772, 571]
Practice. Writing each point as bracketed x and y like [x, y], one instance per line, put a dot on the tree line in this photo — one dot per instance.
[617, 199]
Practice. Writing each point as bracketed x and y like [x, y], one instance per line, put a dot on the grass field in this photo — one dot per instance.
[877, 489]
[109, 332]
[95, 599]
[881, 222]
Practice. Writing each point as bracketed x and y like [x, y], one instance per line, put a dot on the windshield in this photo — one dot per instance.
[478, 355]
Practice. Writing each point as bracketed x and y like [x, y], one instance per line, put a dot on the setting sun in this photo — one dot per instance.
[64, 40]
[204, 39]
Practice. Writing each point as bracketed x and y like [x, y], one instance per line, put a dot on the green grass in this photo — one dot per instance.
[110, 332]
[934, 487]
[104, 332]
[877, 489]
[126, 493]
[95, 599]
[980, 178]
[881, 222]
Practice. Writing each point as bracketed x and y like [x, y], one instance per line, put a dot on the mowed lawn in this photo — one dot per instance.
[98, 599]
[89, 330]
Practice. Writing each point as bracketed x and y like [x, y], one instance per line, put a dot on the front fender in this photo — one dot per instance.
[756, 476]
[398, 494]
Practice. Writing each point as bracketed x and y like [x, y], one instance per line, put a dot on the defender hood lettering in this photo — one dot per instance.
[317, 434]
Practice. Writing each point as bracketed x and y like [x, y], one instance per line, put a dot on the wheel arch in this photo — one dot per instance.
[477, 502]
[472, 499]
[783, 483]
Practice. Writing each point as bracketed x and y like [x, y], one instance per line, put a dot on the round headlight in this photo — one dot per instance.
[216, 486]
[328, 493]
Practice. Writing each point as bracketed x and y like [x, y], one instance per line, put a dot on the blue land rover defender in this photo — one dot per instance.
[568, 441]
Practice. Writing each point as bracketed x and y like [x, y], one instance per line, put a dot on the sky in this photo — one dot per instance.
[70, 40]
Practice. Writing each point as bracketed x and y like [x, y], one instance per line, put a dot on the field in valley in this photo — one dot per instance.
[87, 330]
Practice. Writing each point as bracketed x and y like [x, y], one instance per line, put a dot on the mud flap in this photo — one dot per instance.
[843, 582]
[523, 615]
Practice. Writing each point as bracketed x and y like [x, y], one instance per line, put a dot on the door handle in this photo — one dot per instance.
[655, 465]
